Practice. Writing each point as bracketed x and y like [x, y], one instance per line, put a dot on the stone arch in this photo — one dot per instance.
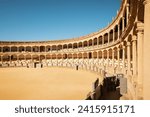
[65, 46]
[69, 56]
[42, 48]
[48, 48]
[6, 49]
[59, 47]
[21, 48]
[6, 57]
[28, 49]
[48, 56]
[94, 55]
[35, 49]
[59, 56]
[75, 56]
[70, 45]
[80, 55]
[42, 57]
[28, 57]
[21, 57]
[54, 47]
[35, 57]
[90, 42]
[106, 38]
[14, 49]
[80, 44]
[13, 57]
[85, 43]
[100, 40]
[53, 56]
[75, 45]
[85, 55]
[95, 40]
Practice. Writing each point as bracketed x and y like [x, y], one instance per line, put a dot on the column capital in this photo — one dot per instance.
[146, 2]
[128, 44]
[139, 27]
[134, 38]
[127, 5]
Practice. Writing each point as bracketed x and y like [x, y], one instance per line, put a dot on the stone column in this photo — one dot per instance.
[123, 24]
[123, 59]
[129, 58]
[113, 57]
[140, 52]
[134, 54]
[113, 34]
[102, 59]
[146, 63]
[127, 12]
[118, 55]
[97, 41]
[107, 58]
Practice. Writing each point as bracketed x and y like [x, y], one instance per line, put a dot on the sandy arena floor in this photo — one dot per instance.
[45, 83]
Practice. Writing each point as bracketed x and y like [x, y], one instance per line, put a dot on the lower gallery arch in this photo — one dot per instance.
[42, 57]
[14, 57]
[6, 57]
[21, 57]
[35, 57]
[28, 57]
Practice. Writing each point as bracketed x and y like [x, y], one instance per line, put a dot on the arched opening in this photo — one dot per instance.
[48, 57]
[85, 55]
[59, 47]
[35, 57]
[100, 40]
[28, 49]
[94, 55]
[6, 49]
[90, 55]
[21, 49]
[54, 48]
[48, 48]
[21, 57]
[85, 44]
[90, 42]
[95, 41]
[42, 48]
[28, 57]
[35, 49]
[80, 44]
[70, 46]
[14, 57]
[69, 56]
[6, 57]
[59, 56]
[13, 49]
[65, 46]
[106, 38]
[53, 56]
[75, 45]
[42, 57]
[80, 55]
[65, 56]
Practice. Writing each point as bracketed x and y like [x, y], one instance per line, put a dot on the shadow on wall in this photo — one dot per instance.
[109, 90]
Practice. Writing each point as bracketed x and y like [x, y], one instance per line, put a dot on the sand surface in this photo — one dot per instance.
[45, 83]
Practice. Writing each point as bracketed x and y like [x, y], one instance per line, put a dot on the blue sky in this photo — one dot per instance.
[40, 20]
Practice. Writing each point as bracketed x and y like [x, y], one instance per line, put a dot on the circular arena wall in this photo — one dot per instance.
[114, 49]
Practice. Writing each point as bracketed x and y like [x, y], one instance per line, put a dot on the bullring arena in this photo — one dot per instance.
[119, 48]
